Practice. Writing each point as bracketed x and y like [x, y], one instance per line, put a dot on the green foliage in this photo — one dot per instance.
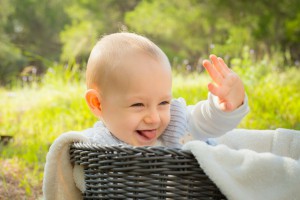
[192, 87]
[175, 23]
[35, 26]
[79, 37]
[78, 40]
[293, 28]
[277, 100]
[11, 63]
[89, 21]
[10, 55]
[28, 29]
[273, 94]
[63, 75]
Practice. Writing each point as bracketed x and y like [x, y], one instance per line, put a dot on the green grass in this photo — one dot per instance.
[35, 115]
[274, 100]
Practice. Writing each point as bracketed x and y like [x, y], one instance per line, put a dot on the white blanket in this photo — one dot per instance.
[253, 164]
[59, 182]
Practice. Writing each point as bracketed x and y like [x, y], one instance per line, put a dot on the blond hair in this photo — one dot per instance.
[109, 51]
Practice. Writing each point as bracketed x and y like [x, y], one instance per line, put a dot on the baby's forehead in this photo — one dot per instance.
[137, 69]
[141, 64]
[114, 53]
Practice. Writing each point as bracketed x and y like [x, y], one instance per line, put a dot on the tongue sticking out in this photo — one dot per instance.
[149, 134]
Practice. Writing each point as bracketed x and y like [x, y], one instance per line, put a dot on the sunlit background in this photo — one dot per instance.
[44, 46]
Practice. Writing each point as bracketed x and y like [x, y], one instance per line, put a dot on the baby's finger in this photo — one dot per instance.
[219, 65]
[221, 92]
[214, 74]
[224, 66]
[213, 89]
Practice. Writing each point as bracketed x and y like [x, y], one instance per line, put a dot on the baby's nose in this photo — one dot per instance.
[152, 117]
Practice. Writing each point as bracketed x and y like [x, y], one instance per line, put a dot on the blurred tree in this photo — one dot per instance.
[273, 26]
[175, 25]
[34, 28]
[89, 20]
[12, 61]
[188, 29]
[10, 55]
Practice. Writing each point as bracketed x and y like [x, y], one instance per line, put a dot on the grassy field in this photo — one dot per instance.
[36, 114]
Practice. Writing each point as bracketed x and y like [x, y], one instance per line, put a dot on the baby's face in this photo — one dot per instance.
[136, 106]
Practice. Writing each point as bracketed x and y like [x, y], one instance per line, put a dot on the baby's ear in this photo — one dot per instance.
[93, 100]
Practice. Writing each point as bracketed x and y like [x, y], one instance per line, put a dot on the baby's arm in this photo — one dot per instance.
[226, 106]
[207, 120]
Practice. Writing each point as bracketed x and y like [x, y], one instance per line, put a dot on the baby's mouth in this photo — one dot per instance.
[148, 134]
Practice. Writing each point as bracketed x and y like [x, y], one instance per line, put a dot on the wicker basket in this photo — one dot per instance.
[118, 172]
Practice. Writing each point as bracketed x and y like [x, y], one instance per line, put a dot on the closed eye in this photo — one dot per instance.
[164, 103]
[137, 105]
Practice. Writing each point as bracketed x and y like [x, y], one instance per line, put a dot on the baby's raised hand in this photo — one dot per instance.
[226, 85]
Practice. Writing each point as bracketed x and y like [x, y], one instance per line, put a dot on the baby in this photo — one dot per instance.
[129, 89]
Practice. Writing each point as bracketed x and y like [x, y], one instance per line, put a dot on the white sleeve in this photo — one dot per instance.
[207, 120]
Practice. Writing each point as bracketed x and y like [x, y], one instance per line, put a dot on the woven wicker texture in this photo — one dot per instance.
[118, 172]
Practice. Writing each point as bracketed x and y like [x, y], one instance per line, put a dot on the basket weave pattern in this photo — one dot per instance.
[118, 172]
